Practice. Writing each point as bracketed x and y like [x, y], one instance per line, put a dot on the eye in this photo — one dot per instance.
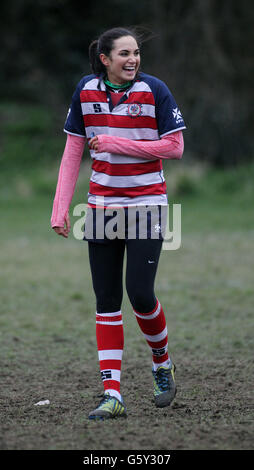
[126, 53]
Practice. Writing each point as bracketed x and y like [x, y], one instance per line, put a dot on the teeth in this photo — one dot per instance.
[129, 68]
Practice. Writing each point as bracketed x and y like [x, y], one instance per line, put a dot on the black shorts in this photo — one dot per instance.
[103, 225]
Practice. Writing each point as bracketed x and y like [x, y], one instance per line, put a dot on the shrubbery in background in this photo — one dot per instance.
[202, 50]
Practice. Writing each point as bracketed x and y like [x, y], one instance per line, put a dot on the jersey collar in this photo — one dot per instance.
[102, 87]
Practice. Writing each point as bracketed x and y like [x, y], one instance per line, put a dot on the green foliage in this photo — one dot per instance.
[202, 50]
[29, 136]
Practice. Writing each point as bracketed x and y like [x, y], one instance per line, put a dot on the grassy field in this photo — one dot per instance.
[47, 321]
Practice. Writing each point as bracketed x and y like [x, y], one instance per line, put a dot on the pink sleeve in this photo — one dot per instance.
[169, 147]
[67, 178]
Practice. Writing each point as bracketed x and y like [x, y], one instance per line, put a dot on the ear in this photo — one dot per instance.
[104, 59]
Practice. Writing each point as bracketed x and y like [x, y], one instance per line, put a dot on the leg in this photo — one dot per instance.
[106, 262]
[142, 262]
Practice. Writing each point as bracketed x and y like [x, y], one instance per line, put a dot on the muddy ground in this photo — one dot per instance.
[213, 408]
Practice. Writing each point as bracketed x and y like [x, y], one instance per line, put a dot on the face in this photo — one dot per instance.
[123, 62]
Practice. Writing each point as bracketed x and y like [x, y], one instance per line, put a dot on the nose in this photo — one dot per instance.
[132, 59]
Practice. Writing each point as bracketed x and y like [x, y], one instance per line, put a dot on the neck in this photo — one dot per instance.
[115, 86]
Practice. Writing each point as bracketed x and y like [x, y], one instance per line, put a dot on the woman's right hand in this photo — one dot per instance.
[64, 231]
[93, 143]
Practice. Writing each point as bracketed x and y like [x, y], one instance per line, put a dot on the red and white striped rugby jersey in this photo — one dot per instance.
[146, 111]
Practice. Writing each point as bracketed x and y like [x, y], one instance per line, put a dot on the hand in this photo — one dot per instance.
[94, 143]
[64, 231]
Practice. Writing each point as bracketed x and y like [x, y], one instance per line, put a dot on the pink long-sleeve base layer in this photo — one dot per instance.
[169, 147]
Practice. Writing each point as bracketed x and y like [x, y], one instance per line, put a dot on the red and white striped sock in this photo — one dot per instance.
[110, 343]
[153, 325]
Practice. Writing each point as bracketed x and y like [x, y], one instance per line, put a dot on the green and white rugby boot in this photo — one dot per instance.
[164, 386]
[109, 407]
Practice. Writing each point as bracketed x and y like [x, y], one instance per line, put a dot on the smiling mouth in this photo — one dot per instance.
[129, 69]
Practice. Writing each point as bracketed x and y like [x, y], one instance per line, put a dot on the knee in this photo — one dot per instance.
[141, 300]
[108, 302]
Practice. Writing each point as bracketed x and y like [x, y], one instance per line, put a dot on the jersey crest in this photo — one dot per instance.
[134, 110]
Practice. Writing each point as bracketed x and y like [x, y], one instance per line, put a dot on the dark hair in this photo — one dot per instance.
[104, 45]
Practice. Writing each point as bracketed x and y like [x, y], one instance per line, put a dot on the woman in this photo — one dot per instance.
[131, 122]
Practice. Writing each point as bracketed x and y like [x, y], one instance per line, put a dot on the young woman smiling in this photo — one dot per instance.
[131, 123]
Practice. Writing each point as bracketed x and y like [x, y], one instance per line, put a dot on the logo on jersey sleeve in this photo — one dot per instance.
[177, 115]
[134, 110]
